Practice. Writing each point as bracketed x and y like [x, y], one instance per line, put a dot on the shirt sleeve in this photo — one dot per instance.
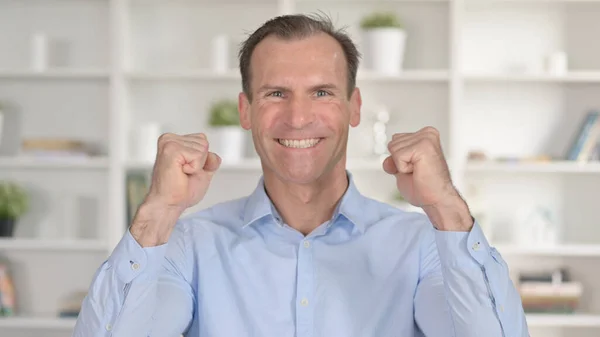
[124, 295]
[465, 287]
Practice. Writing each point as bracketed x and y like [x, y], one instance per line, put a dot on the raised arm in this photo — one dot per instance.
[143, 289]
[140, 291]
[465, 289]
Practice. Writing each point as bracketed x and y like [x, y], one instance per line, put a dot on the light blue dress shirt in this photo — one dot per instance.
[236, 270]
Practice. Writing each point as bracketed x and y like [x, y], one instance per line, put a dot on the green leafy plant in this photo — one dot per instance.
[224, 113]
[380, 20]
[14, 201]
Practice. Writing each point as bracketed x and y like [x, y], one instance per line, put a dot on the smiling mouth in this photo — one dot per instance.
[299, 143]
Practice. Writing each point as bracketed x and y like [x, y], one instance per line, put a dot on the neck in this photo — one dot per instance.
[305, 207]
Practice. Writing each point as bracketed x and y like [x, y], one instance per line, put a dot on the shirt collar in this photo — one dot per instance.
[259, 205]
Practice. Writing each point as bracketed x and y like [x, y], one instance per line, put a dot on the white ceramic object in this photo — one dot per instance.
[384, 50]
[220, 53]
[535, 227]
[557, 64]
[230, 143]
[145, 141]
[39, 52]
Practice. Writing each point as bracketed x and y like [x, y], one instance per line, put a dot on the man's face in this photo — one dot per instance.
[300, 111]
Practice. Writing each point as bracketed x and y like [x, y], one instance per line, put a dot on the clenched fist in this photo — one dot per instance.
[423, 178]
[183, 170]
[182, 173]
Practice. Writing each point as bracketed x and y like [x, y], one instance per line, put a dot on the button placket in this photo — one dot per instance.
[304, 299]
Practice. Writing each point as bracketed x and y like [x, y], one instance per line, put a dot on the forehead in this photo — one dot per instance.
[319, 56]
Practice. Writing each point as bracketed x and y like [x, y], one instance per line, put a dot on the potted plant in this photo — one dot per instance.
[225, 122]
[384, 42]
[13, 204]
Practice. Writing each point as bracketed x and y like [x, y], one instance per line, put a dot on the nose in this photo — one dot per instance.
[300, 112]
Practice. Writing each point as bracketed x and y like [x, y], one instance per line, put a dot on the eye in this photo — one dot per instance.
[322, 93]
[276, 94]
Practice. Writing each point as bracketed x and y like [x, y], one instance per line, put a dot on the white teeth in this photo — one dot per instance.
[299, 143]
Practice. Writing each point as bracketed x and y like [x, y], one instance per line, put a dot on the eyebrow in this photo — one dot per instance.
[268, 87]
[324, 86]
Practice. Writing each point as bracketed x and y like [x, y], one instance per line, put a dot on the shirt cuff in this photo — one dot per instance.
[463, 248]
[130, 260]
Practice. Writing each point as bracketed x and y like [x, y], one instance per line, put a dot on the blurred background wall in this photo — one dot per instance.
[86, 87]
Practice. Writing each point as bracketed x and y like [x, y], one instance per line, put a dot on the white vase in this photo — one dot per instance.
[145, 141]
[220, 53]
[384, 49]
[230, 143]
[556, 63]
[39, 52]
[535, 226]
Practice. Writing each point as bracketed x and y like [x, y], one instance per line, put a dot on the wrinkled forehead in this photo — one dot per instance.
[298, 61]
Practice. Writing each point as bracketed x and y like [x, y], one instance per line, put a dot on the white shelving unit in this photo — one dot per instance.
[39, 323]
[571, 77]
[568, 250]
[534, 167]
[30, 162]
[52, 245]
[565, 321]
[82, 74]
[136, 61]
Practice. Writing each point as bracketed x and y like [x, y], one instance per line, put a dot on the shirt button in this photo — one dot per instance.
[304, 302]
[306, 244]
[476, 246]
[135, 266]
[108, 327]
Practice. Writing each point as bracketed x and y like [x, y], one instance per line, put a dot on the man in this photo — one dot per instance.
[305, 254]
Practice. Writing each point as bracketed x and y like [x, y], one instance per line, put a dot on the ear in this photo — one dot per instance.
[244, 110]
[355, 105]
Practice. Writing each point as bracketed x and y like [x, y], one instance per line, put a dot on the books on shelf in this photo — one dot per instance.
[70, 306]
[551, 292]
[596, 153]
[586, 144]
[49, 148]
[544, 297]
[7, 292]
